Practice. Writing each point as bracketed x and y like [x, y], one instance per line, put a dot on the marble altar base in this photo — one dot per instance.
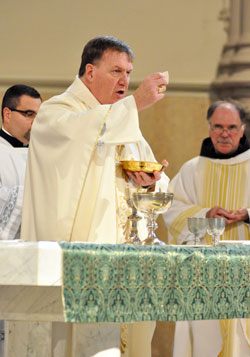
[31, 304]
[48, 335]
[56, 339]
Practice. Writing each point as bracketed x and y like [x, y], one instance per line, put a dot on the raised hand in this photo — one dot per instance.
[151, 90]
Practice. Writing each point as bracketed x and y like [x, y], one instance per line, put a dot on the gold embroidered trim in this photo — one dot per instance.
[124, 338]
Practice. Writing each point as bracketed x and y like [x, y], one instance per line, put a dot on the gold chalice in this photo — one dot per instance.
[152, 204]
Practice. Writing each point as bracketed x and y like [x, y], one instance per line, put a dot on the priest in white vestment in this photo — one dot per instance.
[19, 107]
[214, 184]
[75, 185]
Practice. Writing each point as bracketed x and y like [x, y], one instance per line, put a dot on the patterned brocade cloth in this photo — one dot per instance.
[125, 283]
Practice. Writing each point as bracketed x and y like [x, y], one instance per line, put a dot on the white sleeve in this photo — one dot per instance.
[122, 125]
[11, 200]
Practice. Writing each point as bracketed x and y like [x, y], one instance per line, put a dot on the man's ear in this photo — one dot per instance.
[244, 128]
[6, 115]
[89, 72]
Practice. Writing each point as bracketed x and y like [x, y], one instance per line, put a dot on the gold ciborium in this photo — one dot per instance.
[152, 204]
[144, 166]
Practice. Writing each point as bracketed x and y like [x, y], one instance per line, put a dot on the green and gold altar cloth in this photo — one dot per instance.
[126, 283]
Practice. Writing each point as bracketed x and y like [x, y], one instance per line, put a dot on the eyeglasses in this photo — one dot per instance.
[26, 113]
[232, 129]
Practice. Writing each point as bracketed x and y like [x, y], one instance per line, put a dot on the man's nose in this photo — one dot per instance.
[31, 121]
[124, 79]
[225, 133]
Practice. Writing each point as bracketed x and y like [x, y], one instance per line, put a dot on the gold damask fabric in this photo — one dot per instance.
[126, 283]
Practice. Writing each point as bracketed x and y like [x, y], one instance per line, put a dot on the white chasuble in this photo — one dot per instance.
[74, 189]
[203, 183]
[12, 173]
[70, 189]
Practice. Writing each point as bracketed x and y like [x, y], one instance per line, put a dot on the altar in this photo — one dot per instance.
[106, 285]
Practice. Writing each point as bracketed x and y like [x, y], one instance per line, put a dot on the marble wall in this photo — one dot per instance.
[42, 41]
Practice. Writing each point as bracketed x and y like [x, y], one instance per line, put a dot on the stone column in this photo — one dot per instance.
[241, 59]
[233, 77]
[232, 18]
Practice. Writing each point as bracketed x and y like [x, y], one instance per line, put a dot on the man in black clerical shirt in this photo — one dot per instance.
[227, 124]
[19, 107]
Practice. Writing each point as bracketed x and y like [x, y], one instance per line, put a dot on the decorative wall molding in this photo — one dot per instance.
[52, 85]
[181, 87]
[224, 14]
[43, 84]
